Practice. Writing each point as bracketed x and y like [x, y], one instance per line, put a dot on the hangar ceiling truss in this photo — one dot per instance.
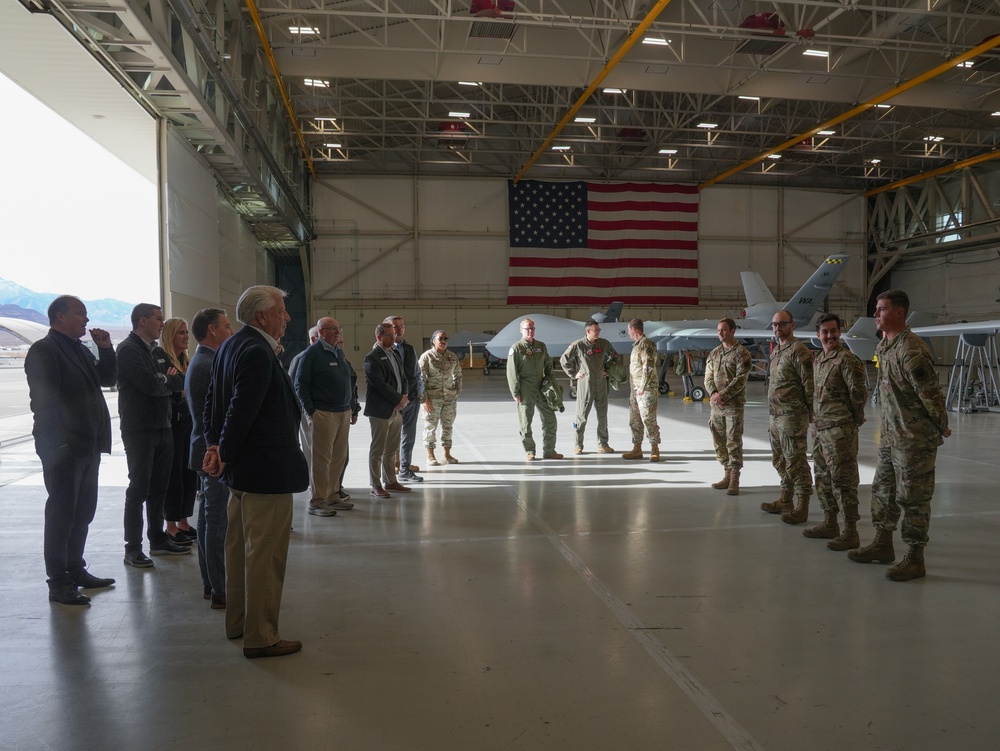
[474, 87]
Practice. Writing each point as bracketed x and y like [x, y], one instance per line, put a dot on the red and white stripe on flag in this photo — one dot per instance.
[577, 243]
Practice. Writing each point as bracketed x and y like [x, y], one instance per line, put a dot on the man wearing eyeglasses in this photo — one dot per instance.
[529, 367]
[584, 362]
[789, 398]
[324, 383]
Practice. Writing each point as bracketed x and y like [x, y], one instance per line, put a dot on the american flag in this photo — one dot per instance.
[579, 243]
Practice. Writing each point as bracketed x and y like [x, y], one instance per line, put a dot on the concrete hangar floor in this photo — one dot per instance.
[588, 603]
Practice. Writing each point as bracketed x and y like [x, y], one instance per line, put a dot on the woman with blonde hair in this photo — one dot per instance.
[179, 502]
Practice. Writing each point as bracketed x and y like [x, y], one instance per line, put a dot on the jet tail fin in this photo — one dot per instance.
[813, 293]
[612, 314]
[755, 290]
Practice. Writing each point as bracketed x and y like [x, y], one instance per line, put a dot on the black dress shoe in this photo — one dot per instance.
[180, 538]
[278, 649]
[87, 580]
[191, 533]
[67, 594]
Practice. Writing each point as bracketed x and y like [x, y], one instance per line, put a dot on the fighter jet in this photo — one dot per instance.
[558, 332]
[752, 326]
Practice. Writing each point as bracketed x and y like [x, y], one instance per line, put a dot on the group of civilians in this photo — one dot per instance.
[229, 425]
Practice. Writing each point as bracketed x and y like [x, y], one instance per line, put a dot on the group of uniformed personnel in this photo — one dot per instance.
[829, 392]
[587, 361]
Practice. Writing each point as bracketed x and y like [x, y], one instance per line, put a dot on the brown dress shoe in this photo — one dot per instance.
[278, 649]
[398, 488]
[378, 492]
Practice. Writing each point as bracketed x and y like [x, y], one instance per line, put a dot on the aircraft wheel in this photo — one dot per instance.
[664, 388]
[486, 371]
[698, 393]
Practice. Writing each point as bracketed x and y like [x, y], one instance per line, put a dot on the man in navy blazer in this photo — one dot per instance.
[384, 401]
[251, 431]
[211, 327]
[72, 429]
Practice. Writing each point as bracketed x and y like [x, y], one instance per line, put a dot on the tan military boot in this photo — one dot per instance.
[734, 482]
[654, 452]
[800, 514]
[848, 539]
[723, 483]
[878, 550]
[828, 529]
[431, 459]
[780, 506]
[448, 457]
[635, 453]
[911, 567]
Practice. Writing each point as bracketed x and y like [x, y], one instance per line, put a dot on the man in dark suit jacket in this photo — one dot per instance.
[72, 429]
[211, 327]
[251, 428]
[385, 399]
[415, 393]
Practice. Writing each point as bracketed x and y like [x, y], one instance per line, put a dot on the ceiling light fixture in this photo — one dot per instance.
[874, 161]
[883, 106]
[325, 119]
[826, 133]
[317, 82]
[657, 41]
[668, 151]
[459, 114]
[966, 64]
[333, 145]
[750, 98]
[560, 148]
[585, 119]
[303, 30]
[934, 139]
[811, 52]
[615, 91]
[469, 83]
[708, 126]
[995, 114]
[774, 156]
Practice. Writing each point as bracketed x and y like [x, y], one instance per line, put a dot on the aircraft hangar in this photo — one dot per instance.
[360, 155]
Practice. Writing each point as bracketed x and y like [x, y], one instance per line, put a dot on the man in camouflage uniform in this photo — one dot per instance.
[914, 423]
[584, 361]
[726, 371]
[442, 376]
[838, 411]
[789, 399]
[529, 367]
[644, 392]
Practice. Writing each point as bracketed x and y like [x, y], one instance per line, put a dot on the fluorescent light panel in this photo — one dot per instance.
[811, 52]
[468, 83]
[458, 114]
[317, 82]
[657, 41]
[668, 151]
[303, 30]
[826, 133]
[750, 98]
[333, 145]
[560, 148]
[585, 119]
[615, 91]
[708, 126]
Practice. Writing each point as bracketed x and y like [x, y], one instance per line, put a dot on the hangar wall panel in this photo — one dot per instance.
[435, 250]
[211, 256]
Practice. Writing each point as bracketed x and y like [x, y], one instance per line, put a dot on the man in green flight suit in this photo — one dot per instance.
[584, 362]
[528, 368]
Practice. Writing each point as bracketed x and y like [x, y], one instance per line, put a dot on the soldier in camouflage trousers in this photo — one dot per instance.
[726, 371]
[442, 375]
[789, 398]
[529, 367]
[644, 393]
[838, 411]
[584, 362]
[914, 422]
